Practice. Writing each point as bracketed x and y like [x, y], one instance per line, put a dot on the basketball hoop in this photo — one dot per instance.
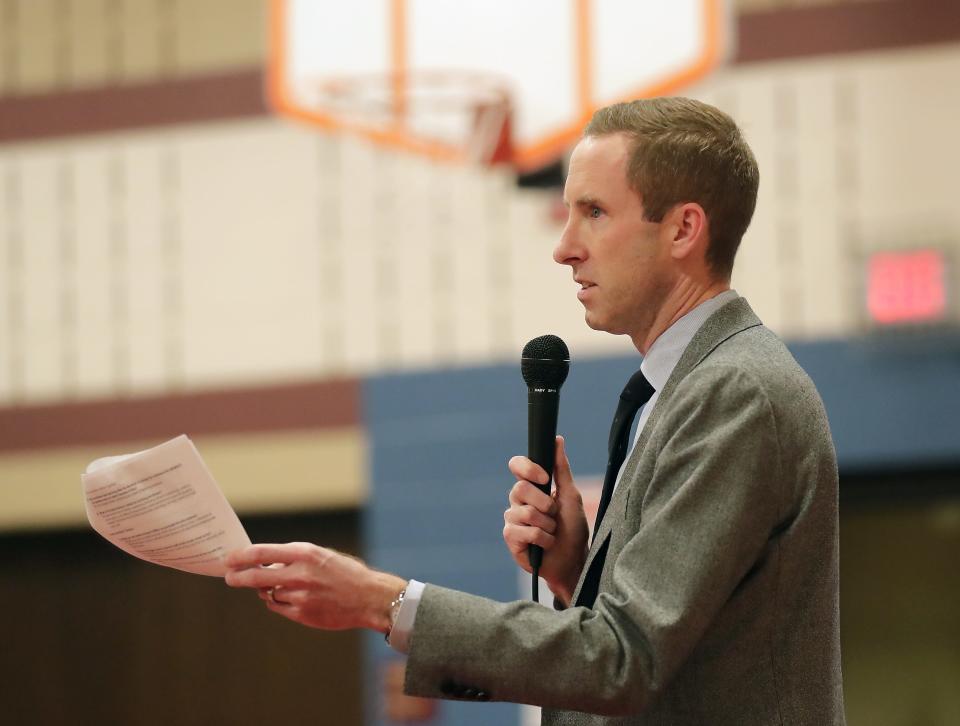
[450, 115]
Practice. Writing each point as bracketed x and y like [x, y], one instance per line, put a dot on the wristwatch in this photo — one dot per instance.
[394, 612]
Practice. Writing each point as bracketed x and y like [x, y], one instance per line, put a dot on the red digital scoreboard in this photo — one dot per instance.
[907, 287]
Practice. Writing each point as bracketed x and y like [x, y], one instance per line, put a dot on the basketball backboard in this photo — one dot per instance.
[454, 79]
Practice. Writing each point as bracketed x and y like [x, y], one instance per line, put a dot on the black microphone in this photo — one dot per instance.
[544, 363]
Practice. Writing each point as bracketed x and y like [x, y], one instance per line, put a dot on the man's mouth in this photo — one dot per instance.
[584, 292]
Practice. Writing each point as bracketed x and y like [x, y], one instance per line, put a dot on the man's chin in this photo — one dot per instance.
[596, 322]
[604, 325]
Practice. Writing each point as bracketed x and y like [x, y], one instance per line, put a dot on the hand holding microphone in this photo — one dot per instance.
[556, 523]
[544, 364]
[537, 520]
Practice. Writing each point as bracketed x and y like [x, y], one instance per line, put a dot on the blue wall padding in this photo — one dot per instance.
[439, 442]
[892, 402]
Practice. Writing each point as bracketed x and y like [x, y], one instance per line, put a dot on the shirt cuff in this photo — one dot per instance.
[400, 633]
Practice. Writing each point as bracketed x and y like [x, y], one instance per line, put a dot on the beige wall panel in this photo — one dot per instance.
[265, 472]
[473, 266]
[439, 193]
[449, 250]
[824, 273]
[538, 278]
[415, 239]
[11, 281]
[41, 284]
[501, 279]
[213, 35]
[490, 263]
[331, 251]
[83, 43]
[37, 41]
[95, 270]
[91, 33]
[250, 285]
[273, 472]
[386, 214]
[42, 488]
[758, 271]
[143, 219]
[910, 111]
[8, 54]
[146, 27]
[360, 223]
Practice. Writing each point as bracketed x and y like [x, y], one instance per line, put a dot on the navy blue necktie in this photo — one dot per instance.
[635, 394]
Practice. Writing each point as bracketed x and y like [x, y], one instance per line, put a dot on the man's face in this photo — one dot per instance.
[621, 261]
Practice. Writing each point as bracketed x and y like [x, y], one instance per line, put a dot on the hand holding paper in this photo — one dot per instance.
[316, 586]
[163, 506]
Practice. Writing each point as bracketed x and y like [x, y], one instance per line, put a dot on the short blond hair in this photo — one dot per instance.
[684, 150]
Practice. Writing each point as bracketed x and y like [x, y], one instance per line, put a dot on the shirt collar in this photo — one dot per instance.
[668, 348]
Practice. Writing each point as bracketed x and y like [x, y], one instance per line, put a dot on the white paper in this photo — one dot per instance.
[163, 506]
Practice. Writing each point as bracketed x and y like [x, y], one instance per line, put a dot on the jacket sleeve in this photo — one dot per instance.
[706, 516]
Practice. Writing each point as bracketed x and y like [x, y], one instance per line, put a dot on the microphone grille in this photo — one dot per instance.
[545, 362]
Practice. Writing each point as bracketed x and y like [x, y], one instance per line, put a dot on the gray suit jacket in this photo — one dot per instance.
[718, 587]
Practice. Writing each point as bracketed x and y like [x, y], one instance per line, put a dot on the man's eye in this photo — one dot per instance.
[595, 212]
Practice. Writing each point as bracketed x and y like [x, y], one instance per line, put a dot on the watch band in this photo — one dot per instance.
[394, 612]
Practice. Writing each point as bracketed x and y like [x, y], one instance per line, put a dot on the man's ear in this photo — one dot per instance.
[689, 229]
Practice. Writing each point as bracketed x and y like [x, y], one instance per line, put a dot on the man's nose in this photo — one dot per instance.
[568, 250]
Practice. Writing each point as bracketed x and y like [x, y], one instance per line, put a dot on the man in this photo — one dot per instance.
[709, 592]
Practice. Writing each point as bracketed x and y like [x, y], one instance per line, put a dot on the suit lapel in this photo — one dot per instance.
[734, 317]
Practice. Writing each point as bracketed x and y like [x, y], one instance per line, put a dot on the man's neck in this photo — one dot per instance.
[684, 297]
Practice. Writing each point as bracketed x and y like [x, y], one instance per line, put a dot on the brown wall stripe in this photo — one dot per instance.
[768, 35]
[183, 100]
[327, 404]
[847, 27]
